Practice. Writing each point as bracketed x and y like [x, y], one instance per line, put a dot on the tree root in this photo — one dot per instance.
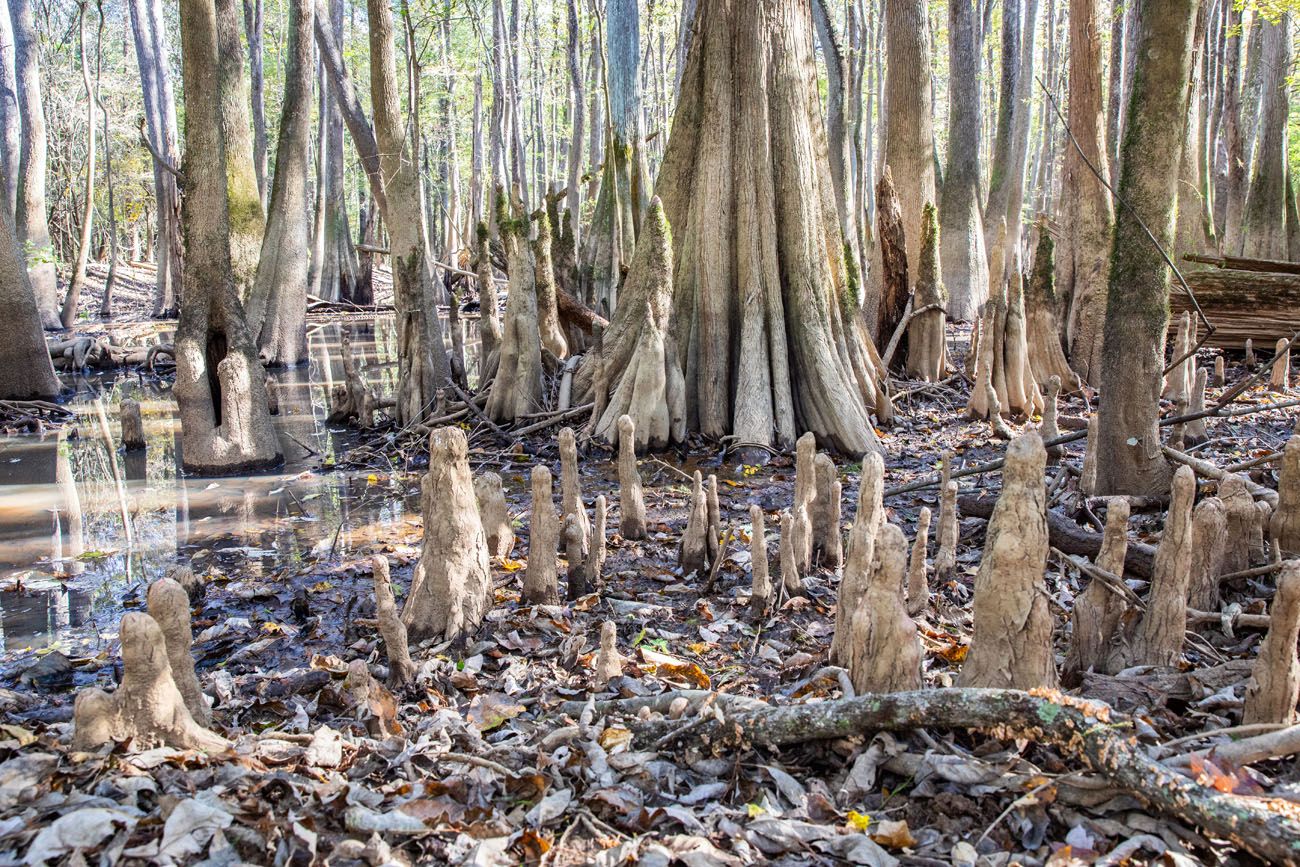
[1268, 828]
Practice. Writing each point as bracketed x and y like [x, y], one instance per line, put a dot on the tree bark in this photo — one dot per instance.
[78, 278]
[747, 146]
[11, 123]
[962, 258]
[277, 305]
[1081, 253]
[247, 217]
[1264, 229]
[1129, 457]
[422, 358]
[25, 367]
[253, 28]
[220, 387]
[152, 59]
[31, 221]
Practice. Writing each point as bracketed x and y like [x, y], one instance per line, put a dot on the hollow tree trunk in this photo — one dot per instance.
[31, 221]
[277, 305]
[422, 356]
[1264, 216]
[1081, 254]
[1129, 460]
[762, 325]
[247, 218]
[962, 258]
[220, 387]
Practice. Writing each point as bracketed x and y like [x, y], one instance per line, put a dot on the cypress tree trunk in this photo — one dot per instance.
[1194, 232]
[611, 239]
[31, 221]
[762, 324]
[247, 217]
[277, 306]
[10, 119]
[25, 367]
[78, 279]
[1129, 460]
[963, 260]
[1082, 252]
[1264, 233]
[220, 387]
[257, 96]
[422, 356]
[1231, 188]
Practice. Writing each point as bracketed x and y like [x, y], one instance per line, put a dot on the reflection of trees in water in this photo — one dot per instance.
[34, 618]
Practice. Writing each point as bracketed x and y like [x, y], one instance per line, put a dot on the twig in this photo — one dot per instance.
[555, 419]
[500, 434]
[908, 315]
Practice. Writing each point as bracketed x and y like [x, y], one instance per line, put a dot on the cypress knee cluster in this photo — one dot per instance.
[1099, 609]
[1004, 381]
[147, 707]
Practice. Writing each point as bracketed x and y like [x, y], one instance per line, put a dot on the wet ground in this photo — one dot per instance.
[82, 522]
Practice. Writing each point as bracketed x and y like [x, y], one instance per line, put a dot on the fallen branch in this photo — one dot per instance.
[1068, 536]
[1248, 751]
[1086, 730]
[1210, 471]
[908, 315]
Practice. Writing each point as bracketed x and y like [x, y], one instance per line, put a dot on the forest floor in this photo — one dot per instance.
[483, 763]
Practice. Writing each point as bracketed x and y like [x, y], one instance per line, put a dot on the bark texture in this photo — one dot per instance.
[541, 586]
[26, 369]
[886, 651]
[401, 670]
[927, 348]
[495, 516]
[1129, 457]
[1099, 610]
[169, 605]
[220, 386]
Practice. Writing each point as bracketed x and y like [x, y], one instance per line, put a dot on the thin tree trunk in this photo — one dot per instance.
[1194, 232]
[573, 193]
[1232, 185]
[110, 282]
[32, 223]
[78, 279]
[277, 305]
[963, 259]
[838, 98]
[1082, 250]
[1115, 87]
[253, 28]
[1129, 460]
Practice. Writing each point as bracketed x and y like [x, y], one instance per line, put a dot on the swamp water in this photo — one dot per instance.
[84, 525]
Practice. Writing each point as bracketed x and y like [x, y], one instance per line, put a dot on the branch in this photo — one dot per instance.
[159, 158]
[1089, 731]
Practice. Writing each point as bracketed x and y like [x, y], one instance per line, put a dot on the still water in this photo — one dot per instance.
[82, 524]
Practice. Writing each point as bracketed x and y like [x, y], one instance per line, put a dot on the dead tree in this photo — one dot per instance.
[1012, 642]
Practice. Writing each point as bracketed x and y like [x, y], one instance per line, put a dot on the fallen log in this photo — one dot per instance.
[1089, 731]
[1264, 307]
[1068, 536]
[1238, 263]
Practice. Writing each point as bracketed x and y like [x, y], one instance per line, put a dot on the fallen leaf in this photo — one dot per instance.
[894, 834]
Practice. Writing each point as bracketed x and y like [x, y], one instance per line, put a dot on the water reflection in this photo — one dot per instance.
[80, 521]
